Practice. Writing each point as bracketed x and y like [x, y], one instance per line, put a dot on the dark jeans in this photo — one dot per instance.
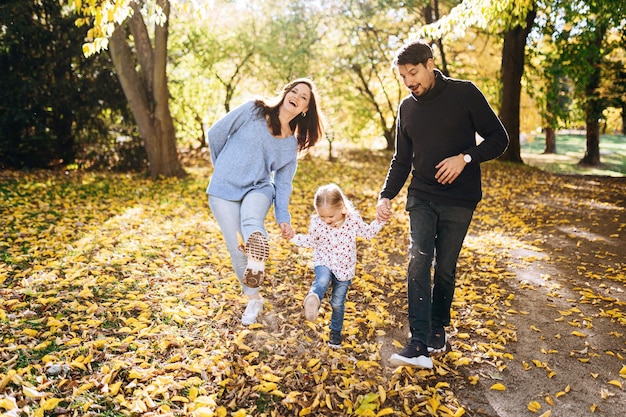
[437, 231]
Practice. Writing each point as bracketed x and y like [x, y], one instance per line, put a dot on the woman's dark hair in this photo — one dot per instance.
[414, 53]
[308, 128]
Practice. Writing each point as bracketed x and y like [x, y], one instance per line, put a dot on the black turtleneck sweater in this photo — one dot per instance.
[439, 124]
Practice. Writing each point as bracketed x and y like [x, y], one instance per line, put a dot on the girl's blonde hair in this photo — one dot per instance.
[330, 195]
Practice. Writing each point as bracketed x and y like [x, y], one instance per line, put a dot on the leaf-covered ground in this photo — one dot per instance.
[117, 298]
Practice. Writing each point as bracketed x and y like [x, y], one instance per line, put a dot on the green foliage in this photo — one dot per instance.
[493, 16]
[56, 106]
[53, 102]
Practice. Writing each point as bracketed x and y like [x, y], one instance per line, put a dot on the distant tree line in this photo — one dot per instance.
[155, 82]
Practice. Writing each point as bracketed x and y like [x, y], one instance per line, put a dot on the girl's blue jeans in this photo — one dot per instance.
[245, 217]
[323, 279]
[437, 232]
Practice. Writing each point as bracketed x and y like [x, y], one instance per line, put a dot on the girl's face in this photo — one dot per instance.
[332, 216]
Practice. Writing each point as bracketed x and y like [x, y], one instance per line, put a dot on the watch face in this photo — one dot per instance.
[467, 158]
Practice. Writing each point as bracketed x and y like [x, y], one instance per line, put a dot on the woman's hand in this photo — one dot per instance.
[286, 231]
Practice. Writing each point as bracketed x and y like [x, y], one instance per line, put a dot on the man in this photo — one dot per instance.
[436, 142]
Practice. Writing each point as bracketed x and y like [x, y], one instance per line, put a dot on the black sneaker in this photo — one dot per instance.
[437, 339]
[414, 354]
[335, 339]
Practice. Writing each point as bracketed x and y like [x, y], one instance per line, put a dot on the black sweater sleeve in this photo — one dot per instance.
[401, 163]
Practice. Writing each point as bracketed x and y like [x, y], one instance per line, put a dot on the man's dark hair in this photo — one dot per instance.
[414, 53]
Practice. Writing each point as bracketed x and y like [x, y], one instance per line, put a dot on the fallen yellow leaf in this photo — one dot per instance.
[615, 382]
[534, 406]
[31, 392]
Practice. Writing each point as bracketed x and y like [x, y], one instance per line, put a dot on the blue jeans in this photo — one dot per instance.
[436, 231]
[245, 217]
[323, 278]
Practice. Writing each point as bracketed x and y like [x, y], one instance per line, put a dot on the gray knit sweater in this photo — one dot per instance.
[247, 157]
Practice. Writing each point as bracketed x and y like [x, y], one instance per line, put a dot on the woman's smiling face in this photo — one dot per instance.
[297, 99]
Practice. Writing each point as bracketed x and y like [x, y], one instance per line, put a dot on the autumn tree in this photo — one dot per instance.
[432, 13]
[125, 28]
[209, 59]
[512, 21]
[548, 84]
[584, 42]
[365, 37]
[513, 57]
[613, 84]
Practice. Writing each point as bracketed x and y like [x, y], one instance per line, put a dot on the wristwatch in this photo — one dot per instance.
[467, 158]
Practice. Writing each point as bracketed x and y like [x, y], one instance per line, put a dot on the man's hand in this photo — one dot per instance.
[383, 210]
[449, 169]
[286, 231]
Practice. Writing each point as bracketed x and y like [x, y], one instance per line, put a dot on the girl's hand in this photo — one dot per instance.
[383, 210]
[286, 231]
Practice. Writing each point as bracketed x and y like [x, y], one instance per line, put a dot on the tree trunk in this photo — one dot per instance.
[594, 105]
[431, 15]
[593, 111]
[550, 141]
[513, 52]
[146, 91]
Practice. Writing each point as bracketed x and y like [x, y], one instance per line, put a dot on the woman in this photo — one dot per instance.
[254, 150]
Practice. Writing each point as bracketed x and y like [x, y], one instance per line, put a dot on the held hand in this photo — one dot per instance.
[383, 210]
[286, 231]
[449, 169]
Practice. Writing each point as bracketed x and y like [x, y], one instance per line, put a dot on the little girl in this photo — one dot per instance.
[332, 235]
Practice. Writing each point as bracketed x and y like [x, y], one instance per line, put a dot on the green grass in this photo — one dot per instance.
[570, 150]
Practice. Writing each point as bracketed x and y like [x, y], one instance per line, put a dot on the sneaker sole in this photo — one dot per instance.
[334, 346]
[311, 307]
[418, 362]
[253, 279]
[257, 251]
[432, 349]
[257, 247]
[436, 350]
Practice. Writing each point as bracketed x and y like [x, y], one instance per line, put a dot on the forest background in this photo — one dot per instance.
[544, 66]
[116, 294]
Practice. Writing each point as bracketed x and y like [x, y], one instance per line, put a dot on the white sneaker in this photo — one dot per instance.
[253, 309]
[414, 354]
[311, 306]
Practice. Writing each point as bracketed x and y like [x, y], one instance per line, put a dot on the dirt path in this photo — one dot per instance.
[567, 283]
